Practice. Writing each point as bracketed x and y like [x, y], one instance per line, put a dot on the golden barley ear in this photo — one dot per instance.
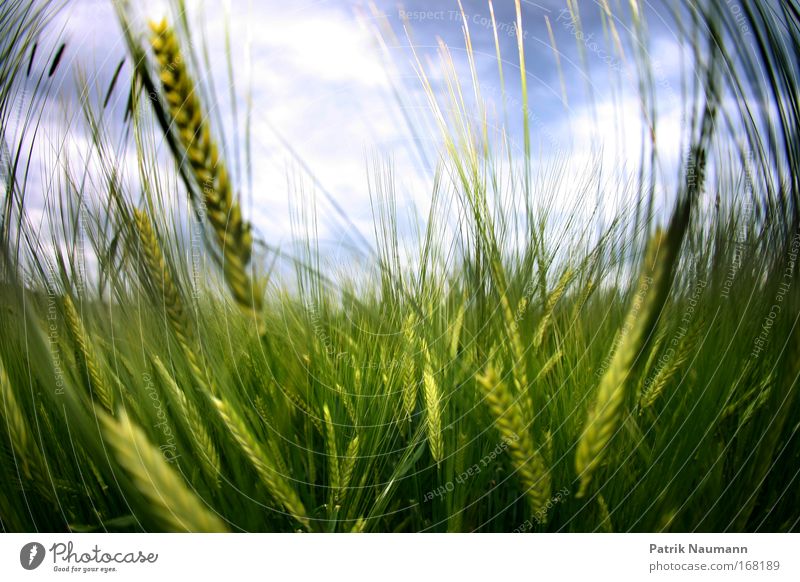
[508, 416]
[170, 501]
[231, 232]
[605, 415]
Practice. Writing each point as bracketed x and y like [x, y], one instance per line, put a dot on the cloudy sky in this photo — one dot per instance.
[324, 92]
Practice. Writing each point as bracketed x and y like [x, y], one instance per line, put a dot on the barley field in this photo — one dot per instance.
[526, 358]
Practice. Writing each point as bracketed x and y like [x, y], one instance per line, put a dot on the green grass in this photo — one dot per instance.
[574, 381]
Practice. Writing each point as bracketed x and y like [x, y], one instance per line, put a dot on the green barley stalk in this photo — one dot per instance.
[549, 365]
[21, 439]
[276, 484]
[201, 438]
[605, 414]
[348, 464]
[86, 356]
[458, 324]
[666, 372]
[550, 306]
[410, 379]
[527, 460]
[300, 404]
[520, 373]
[330, 445]
[606, 524]
[433, 407]
[232, 232]
[348, 403]
[159, 275]
[169, 500]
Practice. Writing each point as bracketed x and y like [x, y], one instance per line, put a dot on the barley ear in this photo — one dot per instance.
[12, 420]
[526, 459]
[275, 482]
[433, 410]
[86, 356]
[458, 325]
[550, 306]
[330, 445]
[169, 500]
[348, 464]
[410, 378]
[232, 234]
[204, 444]
[606, 524]
[548, 366]
[606, 412]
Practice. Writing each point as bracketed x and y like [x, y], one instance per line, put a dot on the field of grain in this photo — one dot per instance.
[520, 367]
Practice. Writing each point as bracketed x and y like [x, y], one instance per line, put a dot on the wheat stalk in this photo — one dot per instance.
[86, 356]
[606, 413]
[509, 420]
[274, 481]
[233, 234]
[168, 498]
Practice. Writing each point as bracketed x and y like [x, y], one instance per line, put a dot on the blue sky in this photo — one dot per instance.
[324, 107]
